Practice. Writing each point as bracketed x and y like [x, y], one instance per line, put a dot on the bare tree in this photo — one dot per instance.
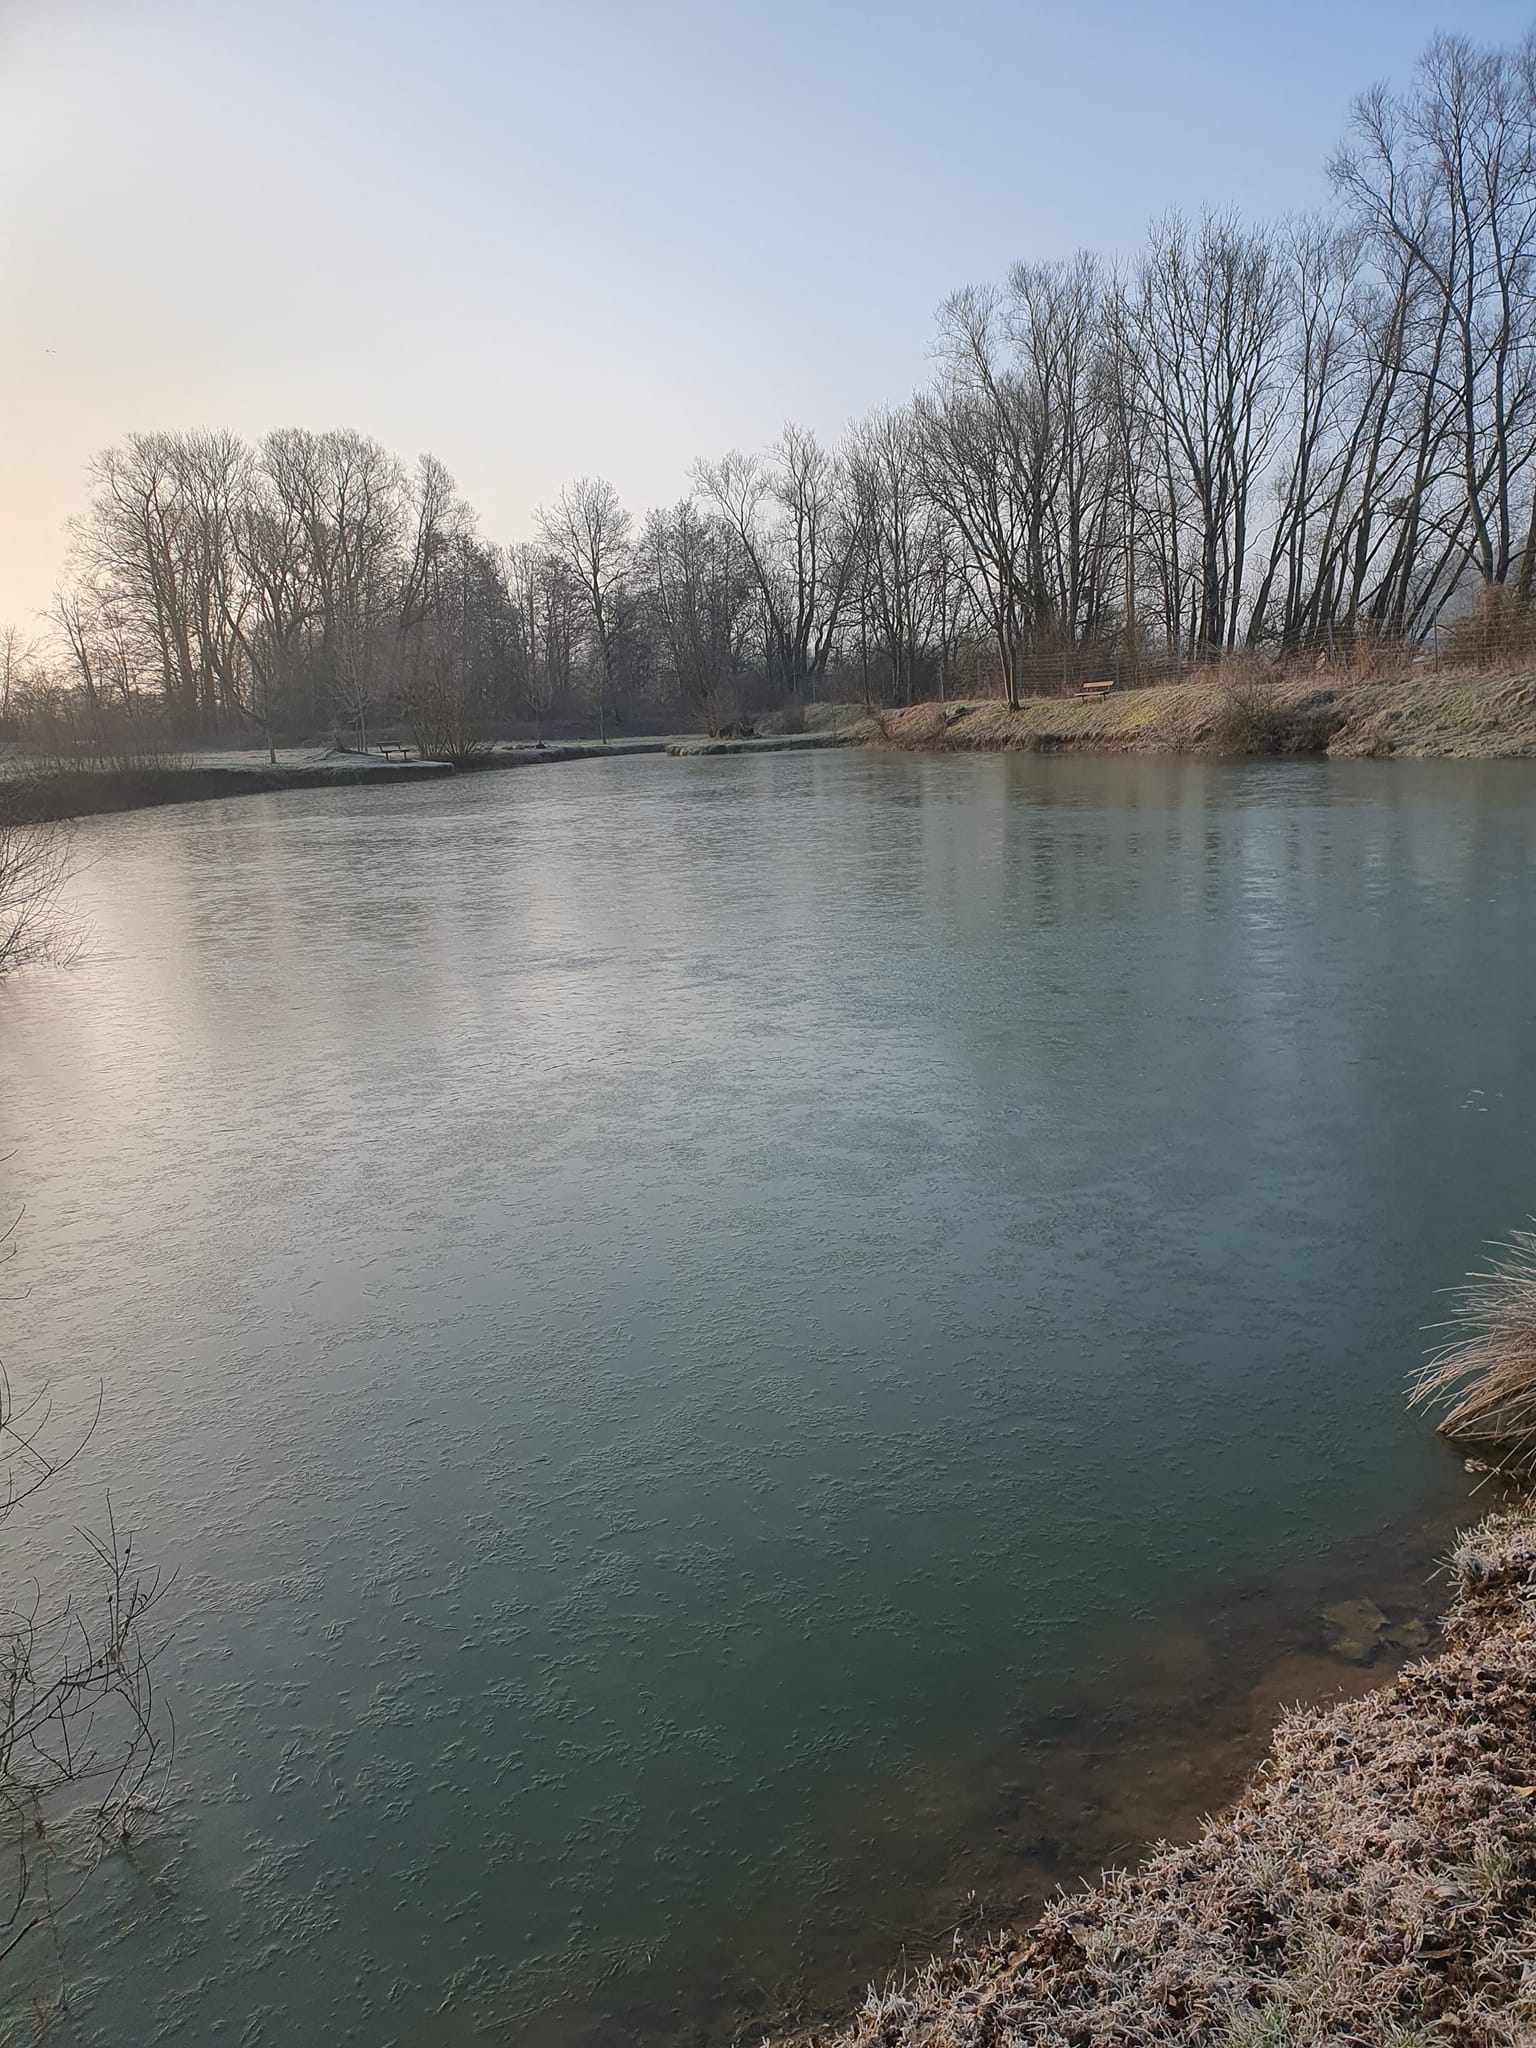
[18, 662]
[1442, 181]
[588, 531]
[1063, 451]
[546, 631]
[349, 499]
[904, 582]
[1209, 316]
[700, 587]
[276, 620]
[157, 545]
[448, 670]
[791, 514]
[965, 430]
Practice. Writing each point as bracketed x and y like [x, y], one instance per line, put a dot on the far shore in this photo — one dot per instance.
[1424, 716]
[56, 792]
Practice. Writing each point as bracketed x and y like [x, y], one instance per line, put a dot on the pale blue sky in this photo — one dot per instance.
[549, 239]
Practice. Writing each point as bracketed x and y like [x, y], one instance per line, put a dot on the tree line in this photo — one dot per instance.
[1284, 439]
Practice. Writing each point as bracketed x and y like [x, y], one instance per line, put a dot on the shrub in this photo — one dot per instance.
[34, 863]
[1247, 719]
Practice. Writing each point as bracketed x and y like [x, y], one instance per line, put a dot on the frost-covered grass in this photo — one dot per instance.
[1375, 1884]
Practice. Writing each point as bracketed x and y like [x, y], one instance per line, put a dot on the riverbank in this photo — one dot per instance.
[51, 793]
[1427, 715]
[768, 743]
[1375, 1882]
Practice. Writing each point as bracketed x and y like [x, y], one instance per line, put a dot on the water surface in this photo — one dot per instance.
[728, 1350]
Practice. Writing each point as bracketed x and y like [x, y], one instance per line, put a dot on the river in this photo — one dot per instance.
[729, 1353]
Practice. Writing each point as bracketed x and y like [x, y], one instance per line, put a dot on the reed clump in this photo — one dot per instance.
[1485, 1375]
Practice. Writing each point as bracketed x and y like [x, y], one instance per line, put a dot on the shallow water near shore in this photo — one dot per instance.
[729, 1352]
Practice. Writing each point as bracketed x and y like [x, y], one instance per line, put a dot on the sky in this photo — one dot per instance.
[603, 237]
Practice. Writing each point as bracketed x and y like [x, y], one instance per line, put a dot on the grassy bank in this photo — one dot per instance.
[1375, 1884]
[1421, 716]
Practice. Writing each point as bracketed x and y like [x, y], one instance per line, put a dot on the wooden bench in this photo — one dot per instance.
[392, 750]
[1096, 689]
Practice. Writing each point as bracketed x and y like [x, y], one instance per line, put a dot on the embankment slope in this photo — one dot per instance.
[1422, 716]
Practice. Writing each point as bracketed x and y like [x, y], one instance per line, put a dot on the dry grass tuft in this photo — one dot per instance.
[1487, 1372]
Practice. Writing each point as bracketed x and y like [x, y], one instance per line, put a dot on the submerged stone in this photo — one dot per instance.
[1411, 1634]
[1353, 1629]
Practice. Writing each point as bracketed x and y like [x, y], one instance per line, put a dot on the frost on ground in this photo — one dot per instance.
[1375, 1884]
